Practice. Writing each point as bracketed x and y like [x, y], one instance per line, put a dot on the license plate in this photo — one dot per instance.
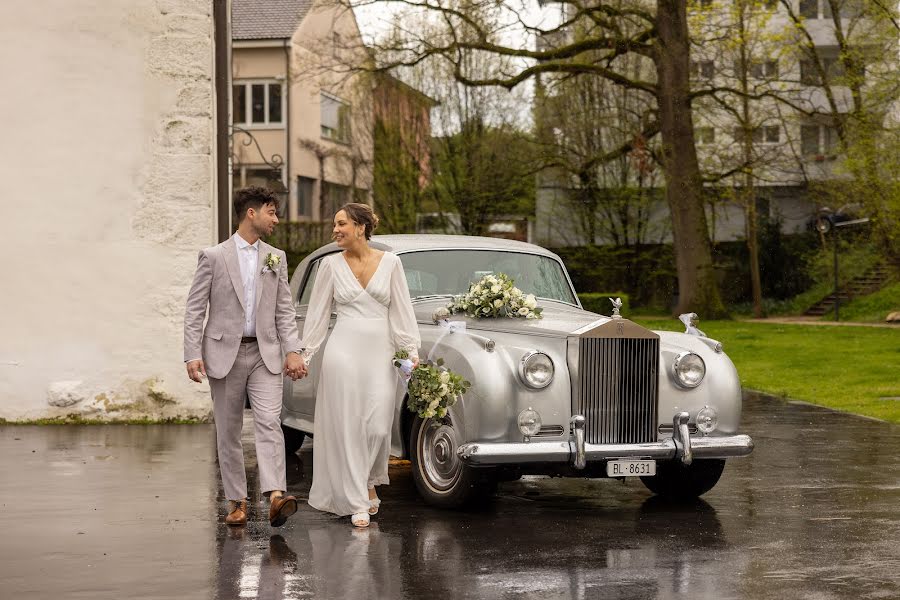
[631, 468]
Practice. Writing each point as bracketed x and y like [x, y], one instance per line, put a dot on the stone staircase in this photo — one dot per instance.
[870, 281]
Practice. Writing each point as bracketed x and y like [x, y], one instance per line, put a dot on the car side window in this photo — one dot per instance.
[306, 292]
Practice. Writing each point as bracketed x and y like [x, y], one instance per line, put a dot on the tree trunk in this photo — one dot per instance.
[753, 248]
[749, 192]
[697, 289]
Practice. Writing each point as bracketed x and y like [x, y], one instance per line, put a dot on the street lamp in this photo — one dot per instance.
[829, 220]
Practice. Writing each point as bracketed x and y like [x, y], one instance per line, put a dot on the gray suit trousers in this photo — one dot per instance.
[264, 389]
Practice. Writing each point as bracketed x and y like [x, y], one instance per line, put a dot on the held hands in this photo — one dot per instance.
[294, 366]
[196, 371]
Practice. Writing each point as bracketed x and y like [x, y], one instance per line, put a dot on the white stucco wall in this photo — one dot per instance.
[108, 193]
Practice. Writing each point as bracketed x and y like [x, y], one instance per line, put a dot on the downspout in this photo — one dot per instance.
[222, 67]
[291, 200]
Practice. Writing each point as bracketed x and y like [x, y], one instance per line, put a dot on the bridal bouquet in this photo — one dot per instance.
[496, 296]
[432, 387]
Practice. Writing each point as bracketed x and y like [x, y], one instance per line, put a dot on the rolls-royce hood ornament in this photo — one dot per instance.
[617, 304]
[690, 321]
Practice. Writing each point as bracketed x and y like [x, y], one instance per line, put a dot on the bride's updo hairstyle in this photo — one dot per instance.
[361, 214]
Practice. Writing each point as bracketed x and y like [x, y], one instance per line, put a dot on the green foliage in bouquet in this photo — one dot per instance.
[496, 296]
[432, 387]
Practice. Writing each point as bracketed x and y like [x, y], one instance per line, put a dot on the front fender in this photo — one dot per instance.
[488, 411]
[720, 388]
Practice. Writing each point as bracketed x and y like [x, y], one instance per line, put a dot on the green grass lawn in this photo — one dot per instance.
[873, 308]
[853, 369]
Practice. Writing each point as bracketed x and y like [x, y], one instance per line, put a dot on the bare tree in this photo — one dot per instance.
[658, 33]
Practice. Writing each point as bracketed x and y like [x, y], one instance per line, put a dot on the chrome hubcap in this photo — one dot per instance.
[437, 445]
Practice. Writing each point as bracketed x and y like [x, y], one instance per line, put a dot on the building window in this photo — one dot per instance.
[335, 197]
[809, 9]
[264, 176]
[702, 69]
[705, 136]
[810, 75]
[813, 9]
[809, 139]
[818, 140]
[305, 189]
[767, 69]
[335, 118]
[257, 103]
[770, 134]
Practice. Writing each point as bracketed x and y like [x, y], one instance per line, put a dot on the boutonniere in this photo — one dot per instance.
[271, 263]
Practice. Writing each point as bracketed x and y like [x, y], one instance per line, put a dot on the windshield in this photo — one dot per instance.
[451, 271]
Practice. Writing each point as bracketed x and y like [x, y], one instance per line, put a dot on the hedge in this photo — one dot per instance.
[600, 304]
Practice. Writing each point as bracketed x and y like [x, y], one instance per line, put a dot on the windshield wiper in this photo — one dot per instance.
[432, 296]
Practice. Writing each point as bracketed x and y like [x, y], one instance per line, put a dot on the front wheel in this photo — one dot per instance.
[441, 478]
[677, 481]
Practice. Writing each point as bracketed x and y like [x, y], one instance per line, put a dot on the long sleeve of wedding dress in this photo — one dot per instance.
[404, 329]
[318, 316]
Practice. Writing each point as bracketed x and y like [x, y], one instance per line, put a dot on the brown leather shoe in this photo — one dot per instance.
[239, 515]
[280, 509]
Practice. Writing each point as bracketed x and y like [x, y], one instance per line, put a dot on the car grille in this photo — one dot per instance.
[619, 388]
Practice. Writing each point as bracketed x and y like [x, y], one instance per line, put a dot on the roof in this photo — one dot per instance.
[267, 19]
[429, 241]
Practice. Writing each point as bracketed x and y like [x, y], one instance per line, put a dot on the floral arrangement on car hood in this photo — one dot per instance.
[496, 296]
[432, 388]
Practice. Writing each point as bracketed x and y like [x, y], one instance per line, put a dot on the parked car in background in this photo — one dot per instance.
[574, 393]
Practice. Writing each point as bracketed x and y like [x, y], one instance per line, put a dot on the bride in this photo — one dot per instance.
[355, 395]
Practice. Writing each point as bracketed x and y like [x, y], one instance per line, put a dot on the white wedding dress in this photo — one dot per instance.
[355, 395]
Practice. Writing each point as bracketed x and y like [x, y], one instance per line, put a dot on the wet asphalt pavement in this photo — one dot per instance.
[136, 512]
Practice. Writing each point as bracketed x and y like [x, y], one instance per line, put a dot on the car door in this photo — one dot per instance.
[301, 400]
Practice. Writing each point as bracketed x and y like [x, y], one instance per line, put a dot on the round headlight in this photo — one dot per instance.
[689, 369]
[536, 370]
[707, 419]
[529, 422]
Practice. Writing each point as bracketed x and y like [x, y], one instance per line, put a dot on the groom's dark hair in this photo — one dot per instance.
[255, 197]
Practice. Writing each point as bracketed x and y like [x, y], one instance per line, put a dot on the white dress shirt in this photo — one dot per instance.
[248, 257]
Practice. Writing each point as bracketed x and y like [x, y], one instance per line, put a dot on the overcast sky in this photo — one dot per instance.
[375, 18]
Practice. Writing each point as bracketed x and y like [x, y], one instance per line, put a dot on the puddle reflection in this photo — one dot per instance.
[657, 551]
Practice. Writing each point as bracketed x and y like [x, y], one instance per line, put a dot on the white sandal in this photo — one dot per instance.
[375, 503]
[360, 520]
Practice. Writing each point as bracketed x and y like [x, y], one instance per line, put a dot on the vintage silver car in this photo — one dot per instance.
[572, 394]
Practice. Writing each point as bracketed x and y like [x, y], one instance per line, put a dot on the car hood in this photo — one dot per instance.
[558, 319]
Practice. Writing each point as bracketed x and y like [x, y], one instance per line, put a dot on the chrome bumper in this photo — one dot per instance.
[681, 446]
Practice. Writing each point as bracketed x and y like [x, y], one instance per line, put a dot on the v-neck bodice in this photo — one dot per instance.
[352, 300]
[374, 273]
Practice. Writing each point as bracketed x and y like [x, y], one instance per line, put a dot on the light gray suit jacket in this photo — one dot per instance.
[217, 285]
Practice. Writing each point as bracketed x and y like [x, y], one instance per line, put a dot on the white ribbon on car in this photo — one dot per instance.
[406, 365]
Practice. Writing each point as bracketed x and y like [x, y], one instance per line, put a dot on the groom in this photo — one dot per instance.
[251, 328]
